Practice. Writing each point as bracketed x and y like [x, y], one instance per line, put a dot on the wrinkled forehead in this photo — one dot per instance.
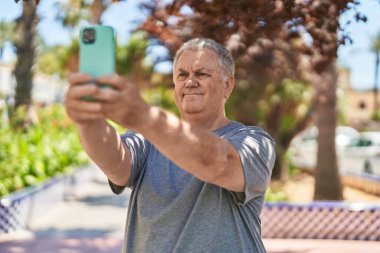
[197, 59]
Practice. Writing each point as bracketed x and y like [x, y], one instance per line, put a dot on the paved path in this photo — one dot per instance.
[93, 222]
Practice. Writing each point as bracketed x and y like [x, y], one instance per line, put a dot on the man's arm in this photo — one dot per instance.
[100, 140]
[104, 146]
[196, 150]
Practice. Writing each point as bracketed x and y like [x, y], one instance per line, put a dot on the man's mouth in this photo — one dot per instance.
[192, 94]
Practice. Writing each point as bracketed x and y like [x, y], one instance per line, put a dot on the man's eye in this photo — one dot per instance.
[202, 74]
[182, 75]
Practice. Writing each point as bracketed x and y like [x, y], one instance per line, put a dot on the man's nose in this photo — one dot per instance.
[191, 82]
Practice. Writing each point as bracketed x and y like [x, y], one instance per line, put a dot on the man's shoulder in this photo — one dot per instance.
[235, 127]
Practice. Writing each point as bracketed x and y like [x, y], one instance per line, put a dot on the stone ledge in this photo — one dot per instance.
[321, 220]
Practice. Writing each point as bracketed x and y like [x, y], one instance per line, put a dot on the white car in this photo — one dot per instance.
[303, 147]
[363, 155]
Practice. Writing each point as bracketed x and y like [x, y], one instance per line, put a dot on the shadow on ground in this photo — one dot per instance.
[74, 232]
[101, 200]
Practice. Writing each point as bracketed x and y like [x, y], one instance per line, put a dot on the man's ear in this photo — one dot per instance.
[228, 86]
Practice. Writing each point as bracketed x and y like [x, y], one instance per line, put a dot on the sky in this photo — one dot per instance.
[124, 17]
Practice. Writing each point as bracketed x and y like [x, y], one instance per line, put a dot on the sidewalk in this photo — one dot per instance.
[93, 222]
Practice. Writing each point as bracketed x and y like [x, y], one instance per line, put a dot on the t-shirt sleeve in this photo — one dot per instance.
[138, 148]
[256, 149]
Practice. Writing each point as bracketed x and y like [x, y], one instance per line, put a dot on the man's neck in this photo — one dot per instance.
[206, 123]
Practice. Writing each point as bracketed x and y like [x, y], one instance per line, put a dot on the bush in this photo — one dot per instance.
[376, 115]
[43, 150]
[275, 195]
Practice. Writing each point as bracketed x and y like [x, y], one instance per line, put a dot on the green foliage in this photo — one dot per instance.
[131, 57]
[376, 115]
[29, 156]
[70, 13]
[161, 96]
[54, 60]
[6, 34]
[292, 168]
[290, 98]
[119, 129]
[375, 43]
[275, 195]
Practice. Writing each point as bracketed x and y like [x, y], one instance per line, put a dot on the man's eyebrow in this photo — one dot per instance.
[182, 70]
[197, 69]
[203, 69]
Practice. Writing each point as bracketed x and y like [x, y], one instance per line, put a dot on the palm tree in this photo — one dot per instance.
[375, 48]
[25, 35]
[25, 46]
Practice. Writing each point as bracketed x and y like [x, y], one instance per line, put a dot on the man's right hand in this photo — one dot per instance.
[82, 112]
[99, 139]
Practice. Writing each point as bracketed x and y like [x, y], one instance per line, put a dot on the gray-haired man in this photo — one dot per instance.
[198, 182]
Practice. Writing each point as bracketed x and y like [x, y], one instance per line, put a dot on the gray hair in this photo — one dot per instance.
[226, 62]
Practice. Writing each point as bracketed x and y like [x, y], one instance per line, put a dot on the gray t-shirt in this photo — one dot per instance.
[170, 210]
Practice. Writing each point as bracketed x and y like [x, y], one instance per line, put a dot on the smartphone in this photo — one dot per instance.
[97, 51]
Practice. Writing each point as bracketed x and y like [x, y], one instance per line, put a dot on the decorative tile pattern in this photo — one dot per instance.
[17, 209]
[13, 214]
[321, 220]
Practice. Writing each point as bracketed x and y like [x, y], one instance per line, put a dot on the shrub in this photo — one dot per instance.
[43, 150]
[275, 195]
[376, 115]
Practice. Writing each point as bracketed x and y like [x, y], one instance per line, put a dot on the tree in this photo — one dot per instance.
[267, 39]
[25, 44]
[260, 96]
[25, 49]
[375, 49]
[73, 11]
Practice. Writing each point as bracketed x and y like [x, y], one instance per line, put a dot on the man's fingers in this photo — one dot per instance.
[114, 81]
[84, 106]
[80, 91]
[81, 116]
[79, 78]
[108, 95]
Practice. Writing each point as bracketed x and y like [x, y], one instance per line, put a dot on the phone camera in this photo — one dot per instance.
[88, 35]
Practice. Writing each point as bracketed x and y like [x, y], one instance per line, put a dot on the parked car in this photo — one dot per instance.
[363, 155]
[357, 152]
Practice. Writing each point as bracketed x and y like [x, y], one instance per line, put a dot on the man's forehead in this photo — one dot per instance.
[197, 59]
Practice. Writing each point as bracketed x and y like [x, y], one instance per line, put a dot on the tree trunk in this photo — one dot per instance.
[25, 49]
[273, 122]
[376, 86]
[280, 169]
[327, 179]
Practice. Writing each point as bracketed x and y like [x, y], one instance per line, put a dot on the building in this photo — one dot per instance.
[46, 89]
[358, 104]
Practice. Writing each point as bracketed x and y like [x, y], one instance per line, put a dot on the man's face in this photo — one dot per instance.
[199, 85]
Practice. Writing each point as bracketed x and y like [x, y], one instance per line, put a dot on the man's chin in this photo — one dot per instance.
[192, 110]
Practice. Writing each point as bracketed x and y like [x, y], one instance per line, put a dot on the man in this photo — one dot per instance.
[198, 182]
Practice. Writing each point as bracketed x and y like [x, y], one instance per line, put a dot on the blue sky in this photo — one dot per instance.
[123, 16]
